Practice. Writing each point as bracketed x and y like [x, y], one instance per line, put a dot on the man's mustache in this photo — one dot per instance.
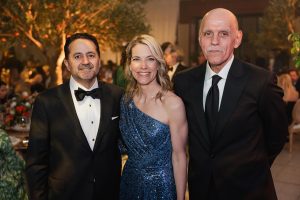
[84, 66]
[214, 49]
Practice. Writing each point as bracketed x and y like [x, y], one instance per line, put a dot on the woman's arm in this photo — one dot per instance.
[36, 79]
[179, 131]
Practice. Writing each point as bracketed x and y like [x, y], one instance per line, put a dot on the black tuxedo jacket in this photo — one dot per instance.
[60, 163]
[250, 132]
[297, 85]
[179, 68]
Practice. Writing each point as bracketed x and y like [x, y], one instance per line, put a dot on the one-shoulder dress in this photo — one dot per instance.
[148, 172]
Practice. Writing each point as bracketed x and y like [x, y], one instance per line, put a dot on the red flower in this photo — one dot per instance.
[20, 109]
[8, 119]
[15, 109]
[26, 114]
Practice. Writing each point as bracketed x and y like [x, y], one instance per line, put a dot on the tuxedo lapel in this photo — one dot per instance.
[233, 89]
[196, 93]
[106, 112]
[66, 98]
[179, 68]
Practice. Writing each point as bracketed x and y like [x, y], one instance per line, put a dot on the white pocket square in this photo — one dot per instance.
[114, 117]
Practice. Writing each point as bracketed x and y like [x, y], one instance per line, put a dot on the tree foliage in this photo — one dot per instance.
[46, 23]
[278, 21]
[295, 49]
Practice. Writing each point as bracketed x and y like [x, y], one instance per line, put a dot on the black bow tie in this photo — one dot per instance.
[170, 68]
[80, 94]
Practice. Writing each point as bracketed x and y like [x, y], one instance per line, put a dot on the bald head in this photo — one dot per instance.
[220, 14]
[219, 35]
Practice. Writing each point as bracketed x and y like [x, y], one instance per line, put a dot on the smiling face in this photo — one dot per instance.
[83, 62]
[219, 36]
[143, 65]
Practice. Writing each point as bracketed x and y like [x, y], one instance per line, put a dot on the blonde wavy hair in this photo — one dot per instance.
[285, 81]
[162, 78]
[289, 91]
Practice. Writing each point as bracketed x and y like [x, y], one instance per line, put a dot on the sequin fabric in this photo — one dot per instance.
[148, 172]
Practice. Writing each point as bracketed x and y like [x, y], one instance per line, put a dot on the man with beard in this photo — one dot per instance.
[73, 152]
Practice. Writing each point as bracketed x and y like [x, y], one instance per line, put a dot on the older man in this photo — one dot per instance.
[236, 118]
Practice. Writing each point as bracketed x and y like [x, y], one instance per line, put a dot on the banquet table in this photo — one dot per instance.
[19, 140]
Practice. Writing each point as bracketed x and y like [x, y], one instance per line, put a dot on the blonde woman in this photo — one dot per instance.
[153, 127]
[290, 94]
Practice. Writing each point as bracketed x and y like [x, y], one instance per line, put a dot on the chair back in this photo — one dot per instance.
[296, 112]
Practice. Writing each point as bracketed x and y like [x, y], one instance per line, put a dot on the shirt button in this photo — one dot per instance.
[92, 122]
[90, 105]
[93, 139]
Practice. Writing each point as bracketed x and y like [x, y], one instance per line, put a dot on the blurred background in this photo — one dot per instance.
[33, 33]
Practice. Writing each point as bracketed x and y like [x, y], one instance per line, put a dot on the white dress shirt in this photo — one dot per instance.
[88, 112]
[221, 84]
[172, 72]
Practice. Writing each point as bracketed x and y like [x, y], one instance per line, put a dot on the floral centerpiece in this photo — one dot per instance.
[17, 111]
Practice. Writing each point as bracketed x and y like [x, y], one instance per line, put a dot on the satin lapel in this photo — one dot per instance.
[196, 92]
[66, 98]
[106, 112]
[233, 89]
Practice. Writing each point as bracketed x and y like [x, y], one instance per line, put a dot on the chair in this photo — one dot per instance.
[295, 125]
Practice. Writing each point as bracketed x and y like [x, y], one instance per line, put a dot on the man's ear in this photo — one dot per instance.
[238, 39]
[199, 40]
[67, 64]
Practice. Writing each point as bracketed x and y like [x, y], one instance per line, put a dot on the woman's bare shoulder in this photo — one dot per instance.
[171, 101]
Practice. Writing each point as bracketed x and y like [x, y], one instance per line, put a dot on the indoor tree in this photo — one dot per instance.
[46, 23]
[279, 20]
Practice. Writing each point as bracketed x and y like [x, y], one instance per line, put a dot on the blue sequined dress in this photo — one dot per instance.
[148, 172]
